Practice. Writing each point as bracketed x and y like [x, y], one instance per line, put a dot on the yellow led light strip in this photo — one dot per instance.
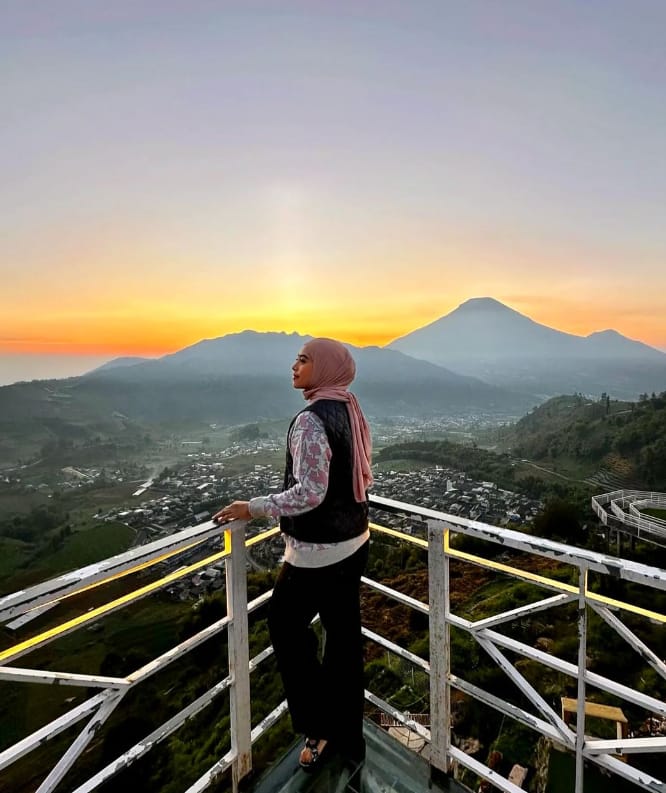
[52, 633]
[514, 571]
[537, 579]
[620, 604]
[264, 536]
[524, 574]
[400, 535]
[116, 576]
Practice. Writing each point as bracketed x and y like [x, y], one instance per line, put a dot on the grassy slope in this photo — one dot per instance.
[580, 438]
[23, 564]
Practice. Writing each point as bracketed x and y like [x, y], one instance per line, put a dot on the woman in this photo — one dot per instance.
[323, 512]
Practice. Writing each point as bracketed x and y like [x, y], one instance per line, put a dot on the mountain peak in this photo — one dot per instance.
[486, 339]
[482, 302]
[480, 308]
[609, 332]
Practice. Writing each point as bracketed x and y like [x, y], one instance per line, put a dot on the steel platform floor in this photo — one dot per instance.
[389, 767]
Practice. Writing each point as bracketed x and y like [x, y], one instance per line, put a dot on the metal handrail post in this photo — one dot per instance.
[581, 692]
[239, 656]
[440, 647]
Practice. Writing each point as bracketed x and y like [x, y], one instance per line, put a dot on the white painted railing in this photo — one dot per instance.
[544, 718]
[548, 722]
[623, 509]
[651, 501]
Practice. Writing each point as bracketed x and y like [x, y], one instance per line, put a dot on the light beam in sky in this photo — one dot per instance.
[180, 171]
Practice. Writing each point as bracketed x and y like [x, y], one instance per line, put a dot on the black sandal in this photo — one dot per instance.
[317, 756]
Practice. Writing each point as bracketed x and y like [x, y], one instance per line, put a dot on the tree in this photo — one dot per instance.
[559, 520]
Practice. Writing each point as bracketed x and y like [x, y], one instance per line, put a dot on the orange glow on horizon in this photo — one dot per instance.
[162, 329]
[156, 347]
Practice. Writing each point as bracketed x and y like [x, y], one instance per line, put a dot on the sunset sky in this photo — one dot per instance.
[173, 171]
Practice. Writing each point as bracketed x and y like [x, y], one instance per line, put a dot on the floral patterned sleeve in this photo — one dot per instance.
[312, 456]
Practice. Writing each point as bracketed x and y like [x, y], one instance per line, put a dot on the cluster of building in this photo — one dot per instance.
[402, 429]
[456, 493]
[68, 478]
[191, 495]
[195, 492]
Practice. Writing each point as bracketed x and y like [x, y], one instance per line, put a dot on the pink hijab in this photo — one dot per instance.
[333, 369]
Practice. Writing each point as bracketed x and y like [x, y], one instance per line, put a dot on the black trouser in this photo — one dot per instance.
[325, 698]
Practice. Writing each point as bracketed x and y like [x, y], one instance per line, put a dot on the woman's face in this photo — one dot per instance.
[302, 370]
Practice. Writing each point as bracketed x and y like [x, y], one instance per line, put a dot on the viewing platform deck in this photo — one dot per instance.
[388, 766]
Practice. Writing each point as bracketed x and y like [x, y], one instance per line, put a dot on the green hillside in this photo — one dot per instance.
[619, 444]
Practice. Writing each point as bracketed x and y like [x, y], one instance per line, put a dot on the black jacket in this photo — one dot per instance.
[339, 517]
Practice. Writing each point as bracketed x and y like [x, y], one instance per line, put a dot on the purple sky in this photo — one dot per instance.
[179, 170]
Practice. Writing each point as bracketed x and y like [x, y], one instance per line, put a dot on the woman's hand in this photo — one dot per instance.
[237, 510]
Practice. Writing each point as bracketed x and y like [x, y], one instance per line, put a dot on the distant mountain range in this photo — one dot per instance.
[235, 379]
[245, 376]
[484, 338]
[483, 357]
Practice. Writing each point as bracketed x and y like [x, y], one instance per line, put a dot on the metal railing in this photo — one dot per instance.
[542, 717]
[624, 510]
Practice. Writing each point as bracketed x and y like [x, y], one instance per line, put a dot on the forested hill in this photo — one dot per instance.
[627, 438]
